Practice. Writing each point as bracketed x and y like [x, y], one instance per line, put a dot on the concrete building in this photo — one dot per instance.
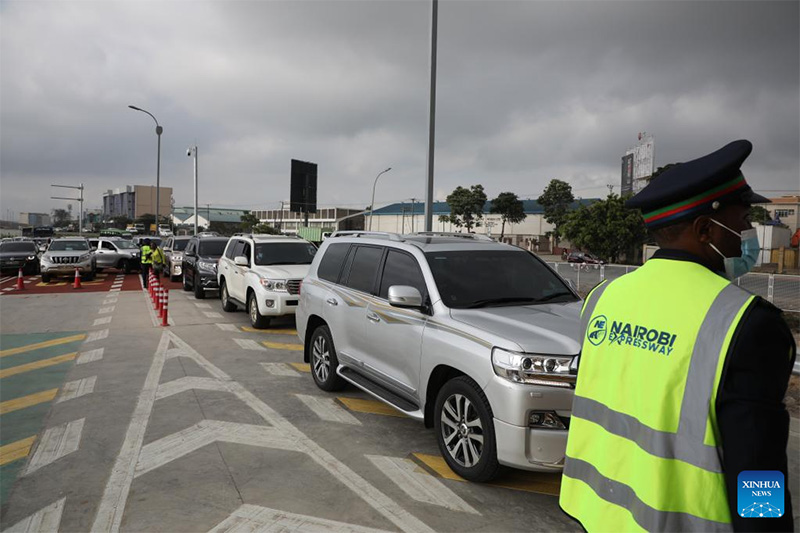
[787, 209]
[184, 216]
[399, 218]
[34, 219]
[136, 200]
[334, 218]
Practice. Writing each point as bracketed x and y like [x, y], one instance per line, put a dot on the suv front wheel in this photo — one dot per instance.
[465, 430]
[324, 361]
[257, 320]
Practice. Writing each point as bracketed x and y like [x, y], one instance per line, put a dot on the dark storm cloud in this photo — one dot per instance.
[528, 91]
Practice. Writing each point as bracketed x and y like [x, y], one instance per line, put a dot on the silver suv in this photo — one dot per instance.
[478, 339]
[173, 254]
[63, 256]
[114, 252]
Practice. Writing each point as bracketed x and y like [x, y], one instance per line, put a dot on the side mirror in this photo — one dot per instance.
[404, 296]
[241, 261]
[93, 248]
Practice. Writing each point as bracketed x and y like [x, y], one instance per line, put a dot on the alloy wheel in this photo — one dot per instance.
[321, 358]
[462, 430]
[253, 310]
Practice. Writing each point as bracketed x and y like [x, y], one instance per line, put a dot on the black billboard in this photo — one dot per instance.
[627, 174]
[303, 193]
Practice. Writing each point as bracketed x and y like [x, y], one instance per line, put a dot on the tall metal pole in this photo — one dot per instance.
[413, 213]
[431, 119]
[159, 130]
[372, 203]
[80, 220]
[194, 152]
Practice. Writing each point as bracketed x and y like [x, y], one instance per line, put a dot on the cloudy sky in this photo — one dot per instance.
[528, 91]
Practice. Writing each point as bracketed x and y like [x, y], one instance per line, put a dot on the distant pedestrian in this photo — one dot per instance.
[682, 374]
[147, 260]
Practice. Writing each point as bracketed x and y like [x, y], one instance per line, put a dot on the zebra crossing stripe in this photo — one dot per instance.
[326, 409]
[56, 443]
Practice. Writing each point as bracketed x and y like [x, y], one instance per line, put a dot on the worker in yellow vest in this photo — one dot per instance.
[682, 374]
[147, 260]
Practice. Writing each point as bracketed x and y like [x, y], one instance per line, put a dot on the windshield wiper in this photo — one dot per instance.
[507, 300]
[554, 295]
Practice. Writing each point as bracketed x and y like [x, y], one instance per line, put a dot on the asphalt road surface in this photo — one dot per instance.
[111, 422]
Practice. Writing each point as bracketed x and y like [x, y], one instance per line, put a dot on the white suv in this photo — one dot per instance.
[478, 339]
[263, 273]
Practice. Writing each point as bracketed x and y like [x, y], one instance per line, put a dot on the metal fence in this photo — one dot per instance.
[781, 290]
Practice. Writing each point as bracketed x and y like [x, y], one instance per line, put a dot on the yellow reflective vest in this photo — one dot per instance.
[158, 256]
[643, 451]
[147, 253]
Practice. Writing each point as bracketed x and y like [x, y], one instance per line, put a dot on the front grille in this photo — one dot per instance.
[293, 286]
[66, 260]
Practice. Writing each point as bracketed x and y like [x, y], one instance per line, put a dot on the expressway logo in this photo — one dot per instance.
[634, 335]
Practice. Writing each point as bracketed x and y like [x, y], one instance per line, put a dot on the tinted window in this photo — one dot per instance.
[93, 243]
[124, 245]
[179, 244]
[401, 269]
[230, 249]
[364, 267]
[246, 251]
[331, 263]
[295, 253]
[213, 248]
[18, 247]
[236, 249]
[69, 246]
[479, 278]
[108, 246]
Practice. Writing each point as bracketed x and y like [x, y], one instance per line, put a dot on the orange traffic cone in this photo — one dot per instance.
[77, 284]
[20, 282]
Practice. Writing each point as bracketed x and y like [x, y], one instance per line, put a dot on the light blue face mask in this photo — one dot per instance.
[739, 266]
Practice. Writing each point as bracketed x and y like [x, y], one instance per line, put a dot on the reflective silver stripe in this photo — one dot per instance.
[588, 307]
[647, 517]
[696, 405]
[659, 443]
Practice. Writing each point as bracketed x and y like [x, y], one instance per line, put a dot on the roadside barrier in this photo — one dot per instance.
[77, 284]
[165, 309]
[20, 281]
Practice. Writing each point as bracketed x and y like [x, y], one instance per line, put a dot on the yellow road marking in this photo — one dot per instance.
[370, 406]
[45, 344]
[540, 482]
[283, 346]
[16, 450]
[14, 370]
[270, 331]
[27, 401]
[302, 367]
[59, 284]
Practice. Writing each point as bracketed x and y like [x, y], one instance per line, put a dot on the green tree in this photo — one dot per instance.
[605, 228]
[759, 214]
[510, 209]
[60, 218]
[556, 200]
[265, 229]
[120, 222]
[466, 207]
[248, 221]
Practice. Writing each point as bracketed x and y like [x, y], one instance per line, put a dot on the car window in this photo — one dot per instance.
[331, 263]
[229, 250]
[69, 246]
[289, 253]
[401, 269]
[108, 246]
[236, 249]
[364, 268]
[190, 247]
[125, 245]
[179, 245]
[246, 252]
[93, 243]
[18, 247]
[213, 248]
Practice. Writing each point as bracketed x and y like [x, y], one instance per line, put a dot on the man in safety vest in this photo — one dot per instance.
[147, 260]
[682, 373]
[158, 259]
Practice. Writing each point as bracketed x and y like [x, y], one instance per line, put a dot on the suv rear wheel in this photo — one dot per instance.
[227, 305]
[257, 320]
[324, 361]
[186, 286]
[465, 430]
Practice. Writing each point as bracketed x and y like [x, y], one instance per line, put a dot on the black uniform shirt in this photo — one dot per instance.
[753, 421]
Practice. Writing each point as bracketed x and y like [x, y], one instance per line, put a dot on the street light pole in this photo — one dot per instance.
[159, 130]
[193, 152]
[79, 199]
[372, 204]
[431, 118]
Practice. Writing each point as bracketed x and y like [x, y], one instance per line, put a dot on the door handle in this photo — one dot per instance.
[332, 301]
[372, 317]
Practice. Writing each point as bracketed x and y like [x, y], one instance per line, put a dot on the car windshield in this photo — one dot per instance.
[295, 253]
[125, 245]
[68, 246]
[213, 248]
[180, 245]
[18, 247]
[486, 278]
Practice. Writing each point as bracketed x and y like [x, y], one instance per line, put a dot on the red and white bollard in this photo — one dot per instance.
[159, 298]
[20, 281]
[165, 309]
[77, 284]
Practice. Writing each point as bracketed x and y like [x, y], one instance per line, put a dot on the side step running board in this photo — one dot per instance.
[381, 393]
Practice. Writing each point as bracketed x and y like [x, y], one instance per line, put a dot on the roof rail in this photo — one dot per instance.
[363, 233]
[473, 236]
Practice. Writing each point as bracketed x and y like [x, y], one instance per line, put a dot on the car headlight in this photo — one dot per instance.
[550, 370]
[278, 285]
[31, 257]
[202, 265]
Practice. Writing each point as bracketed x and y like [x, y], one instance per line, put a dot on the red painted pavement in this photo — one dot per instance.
[103, 283]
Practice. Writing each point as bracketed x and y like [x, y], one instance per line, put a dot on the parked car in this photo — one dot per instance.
[19, 254]
[262, 274]
[478, 339]
[200, 264]
[583, 257]
[114, 252]
[173, 253]
[66, 254]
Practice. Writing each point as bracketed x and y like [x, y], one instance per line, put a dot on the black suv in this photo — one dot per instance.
[19, 254]
[199, 264]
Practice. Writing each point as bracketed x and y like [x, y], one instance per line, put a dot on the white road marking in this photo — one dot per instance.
[420, 485]
[212, 314]
[249, 344]
[44, 520]
[203, 433]
[8, 289]
[77, 388]
[90, 356]
[188, 383]
[101, 321]
[280, 369]
[262, 519]
[97, 335]
[327, 409]
[228, 327]
[202, 305]
[105, 310]
[115, 290]
[56, 443]
[110, 301]
[8, 278]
